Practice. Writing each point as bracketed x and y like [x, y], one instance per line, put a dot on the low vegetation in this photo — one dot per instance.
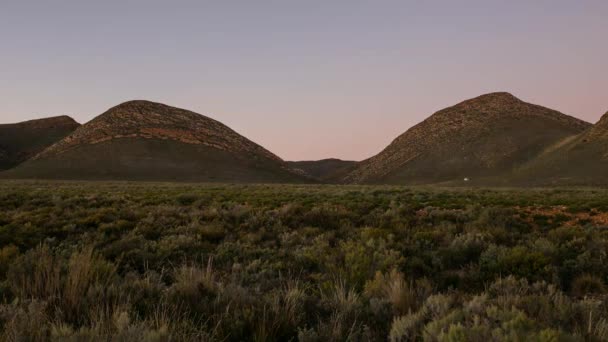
[167, 262]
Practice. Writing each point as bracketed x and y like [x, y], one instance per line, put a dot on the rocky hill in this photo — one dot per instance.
[479, 139]
[142, 140]
[21, 141]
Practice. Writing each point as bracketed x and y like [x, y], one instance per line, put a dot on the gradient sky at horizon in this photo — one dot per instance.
[305, 79]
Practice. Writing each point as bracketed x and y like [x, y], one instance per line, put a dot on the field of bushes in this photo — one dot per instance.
[177, 262]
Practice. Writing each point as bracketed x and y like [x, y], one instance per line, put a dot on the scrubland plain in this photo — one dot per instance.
[160, 262]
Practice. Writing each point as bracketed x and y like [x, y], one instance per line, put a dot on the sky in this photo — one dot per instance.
[307, 79]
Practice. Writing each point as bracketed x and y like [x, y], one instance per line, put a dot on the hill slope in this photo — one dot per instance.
[481, 139]
[142, 140]
[21, 141]
[325, 169]
[579, 160]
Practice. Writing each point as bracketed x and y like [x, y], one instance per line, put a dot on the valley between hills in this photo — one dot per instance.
[491, 140]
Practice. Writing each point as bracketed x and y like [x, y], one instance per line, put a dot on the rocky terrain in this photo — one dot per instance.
[149, 120]
[21, 141]
[482, 138]
[142, 140]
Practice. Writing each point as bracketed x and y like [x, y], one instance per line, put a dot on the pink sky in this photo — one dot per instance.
[306, 80]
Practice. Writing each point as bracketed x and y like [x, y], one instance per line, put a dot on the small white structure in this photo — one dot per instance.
[466, 179]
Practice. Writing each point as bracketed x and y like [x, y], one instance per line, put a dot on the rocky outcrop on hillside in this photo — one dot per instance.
[149, 120]
[147, 141]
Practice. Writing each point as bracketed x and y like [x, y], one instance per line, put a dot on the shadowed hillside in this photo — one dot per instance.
[482, 138]
[326, 169]
[579, 160]
[21, 141]
[141, 140]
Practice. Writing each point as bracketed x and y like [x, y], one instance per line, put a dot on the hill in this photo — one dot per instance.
[482, 139]
[21, 141]
[578, 160]
[142, 140]
[325, 169]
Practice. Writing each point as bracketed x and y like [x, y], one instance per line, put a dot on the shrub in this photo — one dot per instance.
[7, 255]
[408, 327]
[27, 321]
[587, 284]
[395, 289]
[36, 275]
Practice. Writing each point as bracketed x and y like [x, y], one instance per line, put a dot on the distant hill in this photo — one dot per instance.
[142, 140]
[21, 141]
[483, 138]
[325, 169]
[578, 160]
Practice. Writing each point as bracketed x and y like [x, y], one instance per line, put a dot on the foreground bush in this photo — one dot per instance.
[153, 262]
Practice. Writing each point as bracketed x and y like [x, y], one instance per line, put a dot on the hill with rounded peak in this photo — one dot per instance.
[325, 170]
[142, 140]
[21, 141]
[579, 160]
[481, 138]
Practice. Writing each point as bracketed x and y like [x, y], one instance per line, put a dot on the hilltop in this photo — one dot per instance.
[143, 140]
[483, 138]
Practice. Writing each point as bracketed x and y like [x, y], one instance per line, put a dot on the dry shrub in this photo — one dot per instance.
[79, 294]
[26, 322]
[7, 255]
[587, 284]
[36, 275]
[404, 296]
[193, 280]
[86, 271]
[345, 304]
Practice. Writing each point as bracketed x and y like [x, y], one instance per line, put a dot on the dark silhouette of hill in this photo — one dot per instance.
[21, 141]
[485, 138]
[142, 140]
[326, 170]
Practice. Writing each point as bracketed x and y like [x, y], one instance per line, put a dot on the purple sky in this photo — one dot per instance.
[306, 79]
